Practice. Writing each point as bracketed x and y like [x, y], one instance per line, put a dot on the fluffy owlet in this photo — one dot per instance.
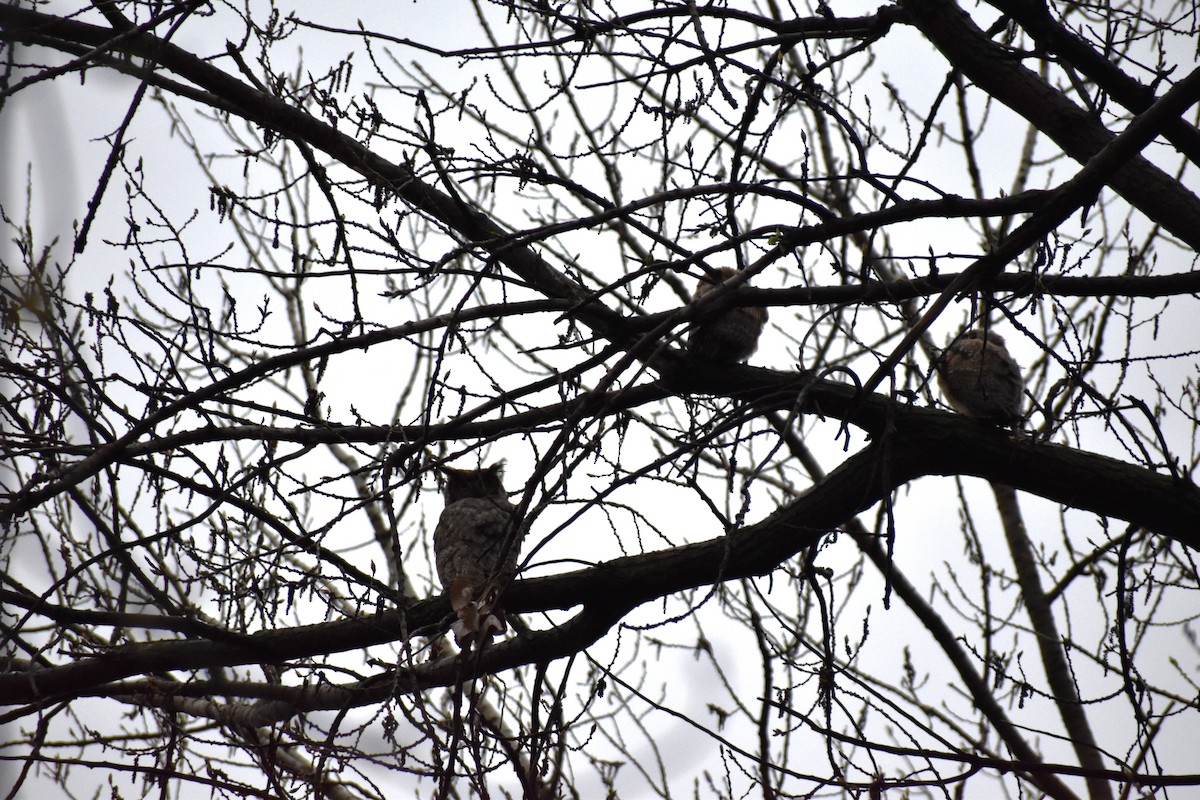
[469, 549]
[731, 335]
[980, 379]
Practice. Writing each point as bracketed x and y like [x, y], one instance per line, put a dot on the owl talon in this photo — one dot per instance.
[474, 624]
[478, 620]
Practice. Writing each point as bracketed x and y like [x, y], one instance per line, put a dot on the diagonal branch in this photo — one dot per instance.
[1035, 17]
[994, 69]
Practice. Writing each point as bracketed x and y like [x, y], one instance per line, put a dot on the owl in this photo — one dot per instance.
[470, 552]
[730, 335]
[980, 379]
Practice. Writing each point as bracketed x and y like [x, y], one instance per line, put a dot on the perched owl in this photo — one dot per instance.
[980, 379]
[730, 335]
[469, 549]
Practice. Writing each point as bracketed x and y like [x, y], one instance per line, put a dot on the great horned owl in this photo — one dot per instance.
[731, 335]
[470, 550]
[980, 379]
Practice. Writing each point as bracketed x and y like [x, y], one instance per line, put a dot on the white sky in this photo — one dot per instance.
[57, 129]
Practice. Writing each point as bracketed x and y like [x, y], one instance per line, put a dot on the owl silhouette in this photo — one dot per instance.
[474, 561]
[980, 379]
[730, 335]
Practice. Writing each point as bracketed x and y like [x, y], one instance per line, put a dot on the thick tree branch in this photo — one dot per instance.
[994, 69]
[1137, 97]
[921, 442]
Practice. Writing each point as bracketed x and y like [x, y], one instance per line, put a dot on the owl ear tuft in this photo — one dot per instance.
[496, 469]
[447, 472]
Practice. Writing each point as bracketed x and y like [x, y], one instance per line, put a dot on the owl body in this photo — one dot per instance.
[732, 334]
[980, 379]
[468, 542]
[474, 561]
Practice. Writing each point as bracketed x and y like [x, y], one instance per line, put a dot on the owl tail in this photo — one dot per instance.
[478, 620]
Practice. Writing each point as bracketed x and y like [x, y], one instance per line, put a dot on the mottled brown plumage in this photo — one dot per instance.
[732, 334]
[980, 379]
[469, 548]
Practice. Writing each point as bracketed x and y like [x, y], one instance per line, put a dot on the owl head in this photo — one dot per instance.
[988, 336]
[458, 484]
[707, 282]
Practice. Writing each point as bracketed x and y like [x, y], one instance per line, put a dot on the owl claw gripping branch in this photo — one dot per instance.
[474, 561]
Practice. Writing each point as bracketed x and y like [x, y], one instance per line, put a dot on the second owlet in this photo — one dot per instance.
[980, 379]
[469, 549]
[730, 335]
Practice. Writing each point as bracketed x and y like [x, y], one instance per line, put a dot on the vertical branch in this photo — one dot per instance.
[1050, 643]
